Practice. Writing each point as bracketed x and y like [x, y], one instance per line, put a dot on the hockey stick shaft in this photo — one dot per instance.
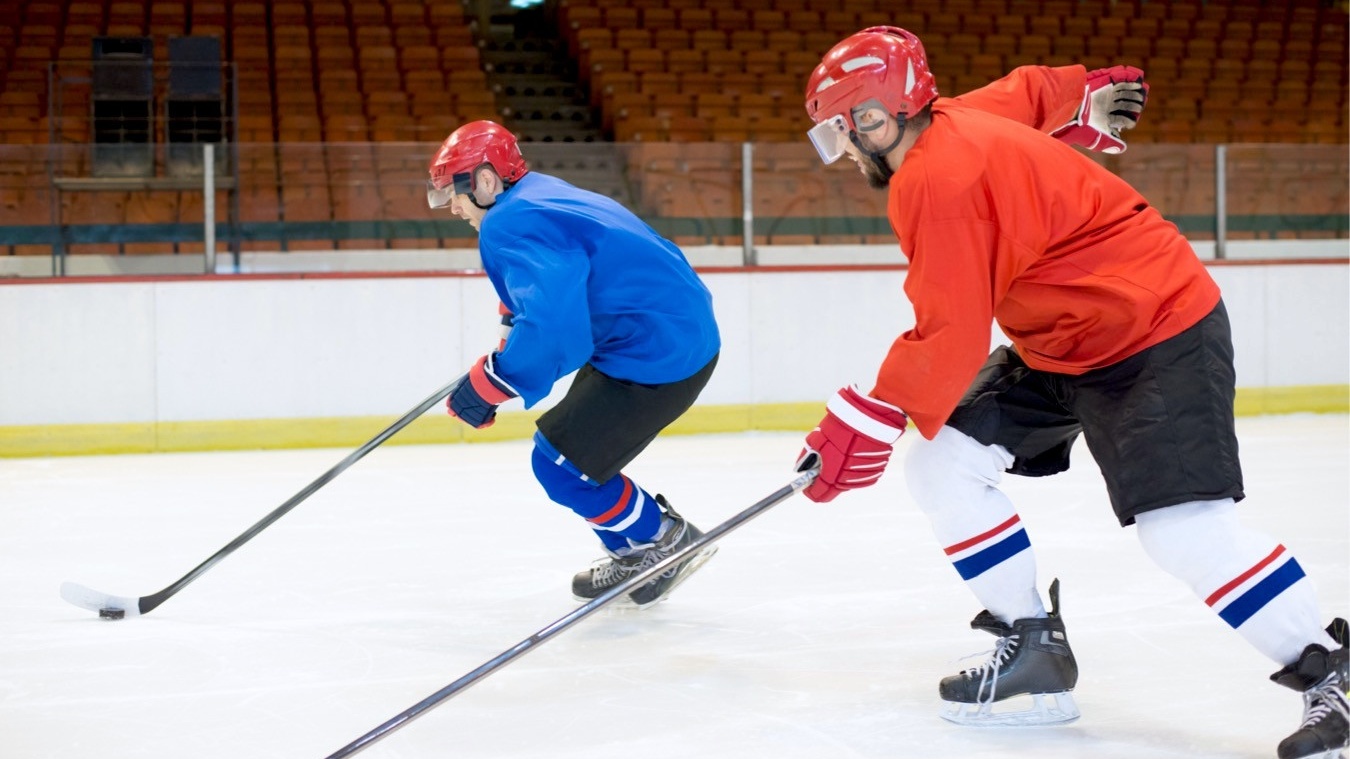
[599, 602]
[145, 604]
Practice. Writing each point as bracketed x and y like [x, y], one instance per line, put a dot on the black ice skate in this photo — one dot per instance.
[1322, 677]
[617, 567]
[1032, 657]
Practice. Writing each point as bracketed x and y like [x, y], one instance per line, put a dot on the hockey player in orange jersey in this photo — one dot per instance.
[1117, 333]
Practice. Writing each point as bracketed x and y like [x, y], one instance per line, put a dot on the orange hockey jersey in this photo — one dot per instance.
[1001, 222]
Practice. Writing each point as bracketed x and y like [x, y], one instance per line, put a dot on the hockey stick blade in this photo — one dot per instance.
[104, 604]
[618, 591]
[120, 607]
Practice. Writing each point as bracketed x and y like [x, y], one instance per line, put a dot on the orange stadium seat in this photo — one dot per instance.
[671, 39]
[310, 71]
[695, 19]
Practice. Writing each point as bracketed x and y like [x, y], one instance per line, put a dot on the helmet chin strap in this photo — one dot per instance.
[474, 198]
[879, 156]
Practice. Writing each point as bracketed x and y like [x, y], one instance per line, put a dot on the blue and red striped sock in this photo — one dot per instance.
[618, 510]
[1251, 581]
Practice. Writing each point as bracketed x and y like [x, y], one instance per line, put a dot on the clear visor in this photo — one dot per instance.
[441, 197]
[830, 138]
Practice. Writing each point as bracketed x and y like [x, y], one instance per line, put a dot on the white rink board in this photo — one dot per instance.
[221, 349]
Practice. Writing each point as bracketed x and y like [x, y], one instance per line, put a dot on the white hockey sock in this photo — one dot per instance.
[953, 478]
[1251, 581]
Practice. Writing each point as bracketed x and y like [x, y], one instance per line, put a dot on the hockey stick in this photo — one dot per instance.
[119, 607]
[592, 606]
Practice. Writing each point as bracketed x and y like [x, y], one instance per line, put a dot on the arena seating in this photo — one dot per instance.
[332, 88]
[1227, 70]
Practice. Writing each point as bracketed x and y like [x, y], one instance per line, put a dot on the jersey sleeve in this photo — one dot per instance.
[550, 336]
[928, 368]
[1042, 97]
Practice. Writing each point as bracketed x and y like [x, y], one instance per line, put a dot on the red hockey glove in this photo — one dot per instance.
[1112, 101]
[853, 443]
[476, 399]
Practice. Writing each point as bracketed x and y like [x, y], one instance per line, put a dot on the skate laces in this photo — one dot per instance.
[653, 555]
[612, 570]
[646, 554]
[1323, 700]
[989, 671]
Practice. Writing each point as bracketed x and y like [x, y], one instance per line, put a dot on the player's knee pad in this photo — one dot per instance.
[1199, 541]
[567, 485]
[564, 483]
[953, 467]
[616, 507]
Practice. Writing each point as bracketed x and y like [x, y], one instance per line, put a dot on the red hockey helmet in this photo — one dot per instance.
[879, 66]
[464, 151]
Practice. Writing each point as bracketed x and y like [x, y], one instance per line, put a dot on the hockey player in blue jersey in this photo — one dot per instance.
[585, 286]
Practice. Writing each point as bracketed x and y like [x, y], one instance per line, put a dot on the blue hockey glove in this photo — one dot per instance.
[476, 399]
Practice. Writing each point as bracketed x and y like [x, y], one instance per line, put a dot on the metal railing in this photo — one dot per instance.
[295, 198]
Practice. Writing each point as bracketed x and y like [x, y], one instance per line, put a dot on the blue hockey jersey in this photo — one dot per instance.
[590, 282]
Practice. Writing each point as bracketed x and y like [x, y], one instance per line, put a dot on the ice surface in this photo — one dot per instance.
[818, 631]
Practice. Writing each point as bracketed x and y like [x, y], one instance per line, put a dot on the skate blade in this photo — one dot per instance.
[680, 576]
[620, 603]
[1335, 753]
[626, 603]
[623, 602]
[1046, 709]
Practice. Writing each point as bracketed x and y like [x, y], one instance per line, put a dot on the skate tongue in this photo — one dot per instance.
[991, 624]
[1312, 667]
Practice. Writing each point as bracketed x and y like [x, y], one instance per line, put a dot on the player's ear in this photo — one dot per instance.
[488, 181]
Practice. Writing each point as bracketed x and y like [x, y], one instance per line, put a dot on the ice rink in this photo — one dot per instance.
[818, 631]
